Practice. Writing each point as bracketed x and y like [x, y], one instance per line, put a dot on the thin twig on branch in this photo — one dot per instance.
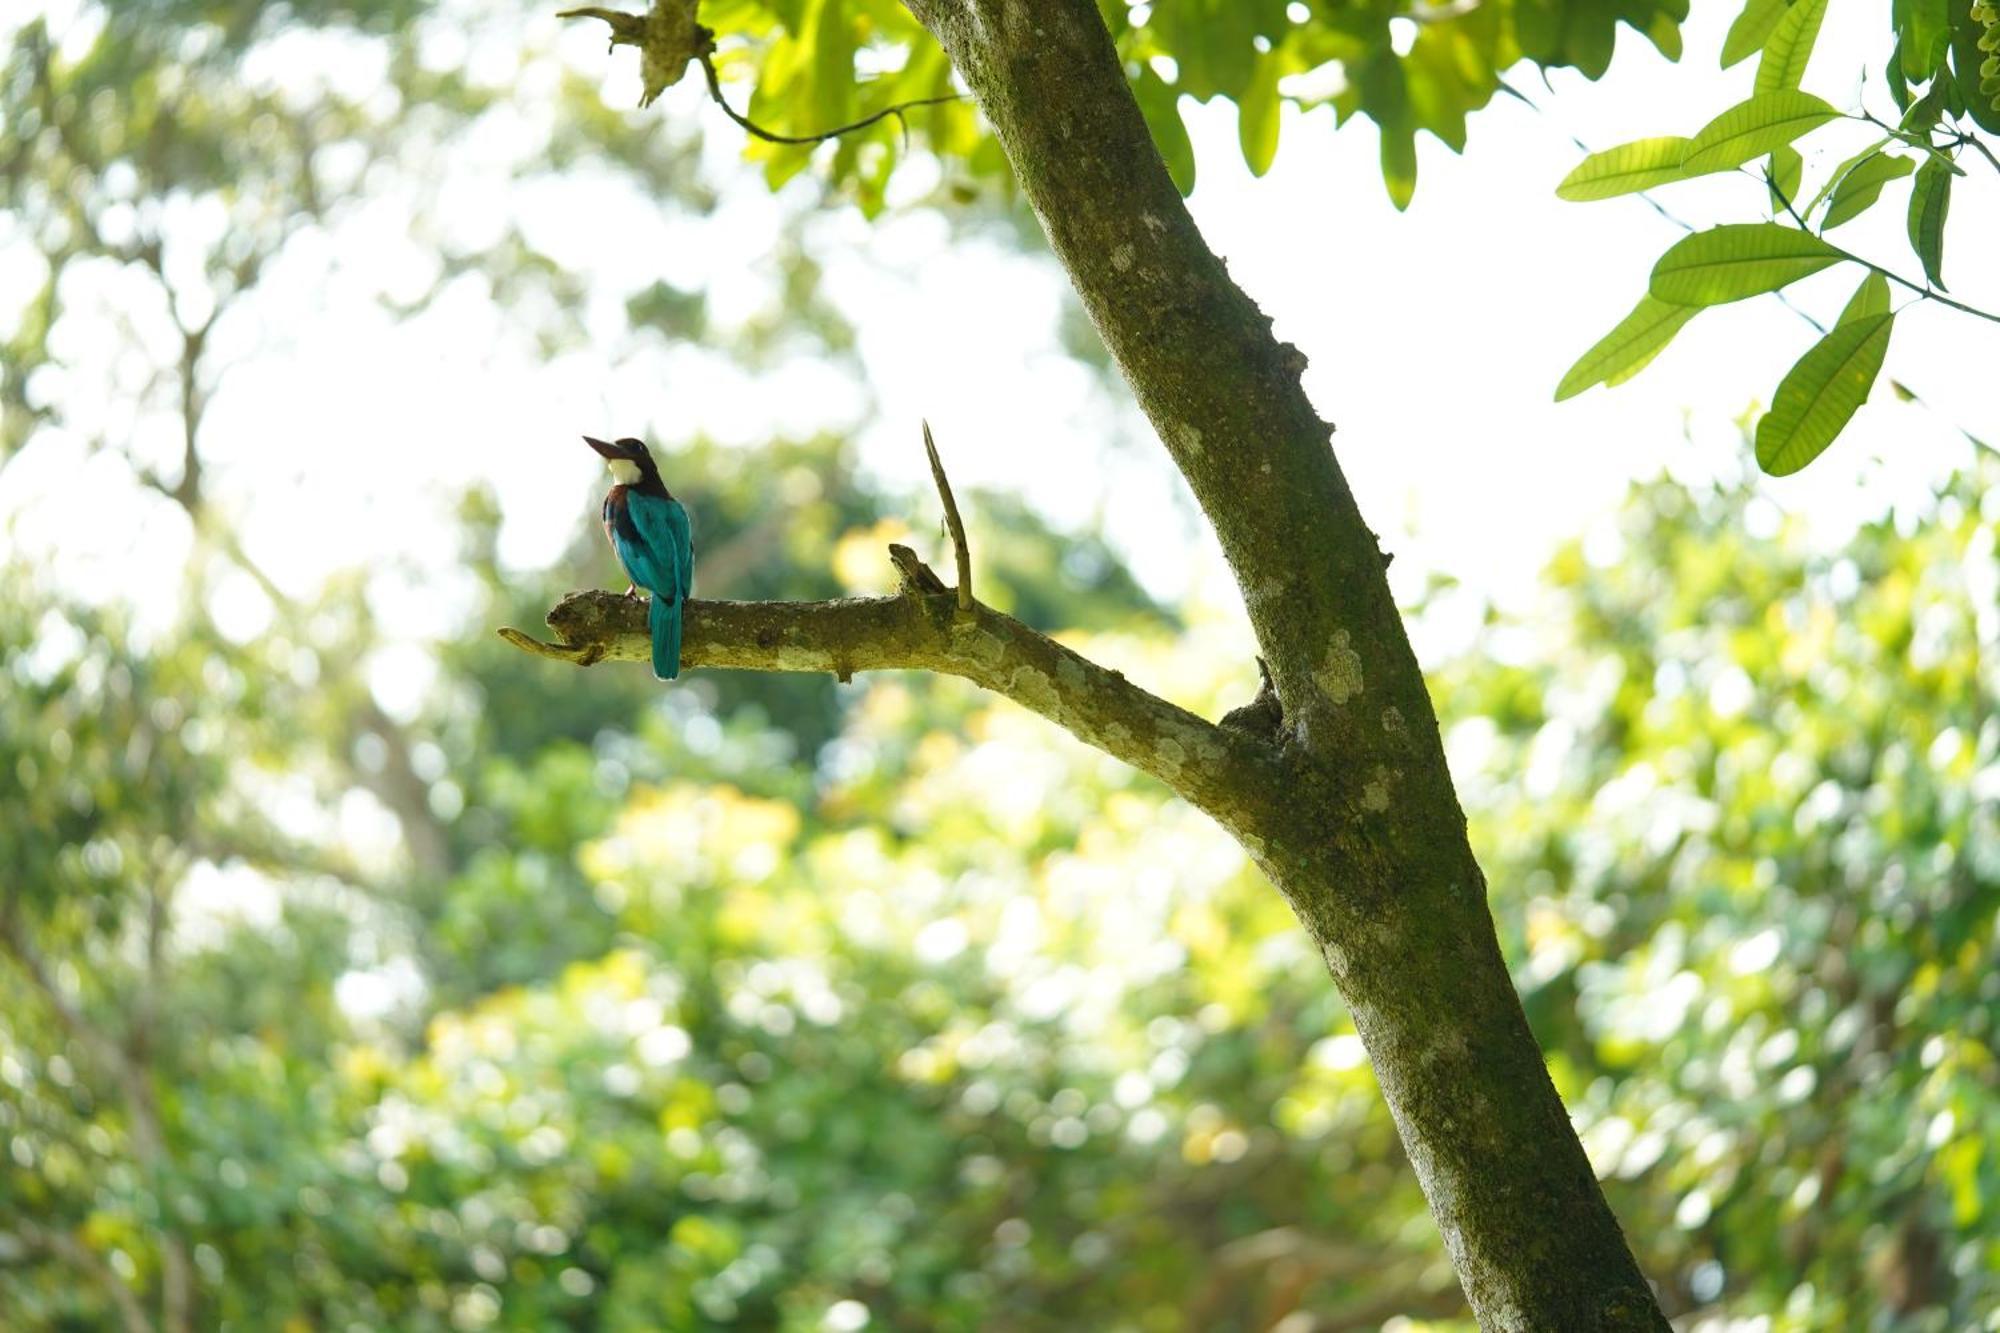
[1228, 773]
[960, 549]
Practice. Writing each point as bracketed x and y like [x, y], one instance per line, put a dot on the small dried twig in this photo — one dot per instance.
[668, 37]
[960, 549]
[1221, 770]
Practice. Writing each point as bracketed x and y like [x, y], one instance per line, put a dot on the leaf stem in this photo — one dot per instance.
[757, 131]
[1967, 138]
[1922, 289]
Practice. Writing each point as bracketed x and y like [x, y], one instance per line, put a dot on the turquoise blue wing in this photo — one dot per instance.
[655, 544]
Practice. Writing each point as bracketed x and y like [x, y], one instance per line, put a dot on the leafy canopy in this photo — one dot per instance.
[1942, 74]
[817, 64]
[727, 1035]
[1406, 66]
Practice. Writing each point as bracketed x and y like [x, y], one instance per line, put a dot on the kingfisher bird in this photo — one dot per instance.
[649, 532]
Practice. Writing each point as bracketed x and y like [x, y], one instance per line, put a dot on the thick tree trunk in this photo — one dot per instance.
[1369, 845]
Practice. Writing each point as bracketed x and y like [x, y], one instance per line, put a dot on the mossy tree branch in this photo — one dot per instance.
[1226, 772]
[1335, 781]
[1385, 884]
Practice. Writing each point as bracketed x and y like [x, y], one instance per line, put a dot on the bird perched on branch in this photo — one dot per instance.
[649, 532]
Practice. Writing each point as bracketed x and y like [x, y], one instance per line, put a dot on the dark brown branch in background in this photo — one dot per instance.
[134, 1082]
[101, 1048]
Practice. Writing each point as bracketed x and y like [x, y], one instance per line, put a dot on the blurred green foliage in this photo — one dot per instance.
[562, 1001]
[968, 1026]
[1408, 67]
[1747, 798]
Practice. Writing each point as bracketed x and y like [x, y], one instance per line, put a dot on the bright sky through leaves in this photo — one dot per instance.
[1435, 337]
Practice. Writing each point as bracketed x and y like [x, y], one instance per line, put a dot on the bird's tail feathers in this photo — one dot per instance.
[663, 619]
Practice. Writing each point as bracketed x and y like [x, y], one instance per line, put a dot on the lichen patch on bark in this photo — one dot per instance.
[1339, 673]
[1185, 438]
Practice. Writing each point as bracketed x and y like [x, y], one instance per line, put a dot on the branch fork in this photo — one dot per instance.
[1232, 773]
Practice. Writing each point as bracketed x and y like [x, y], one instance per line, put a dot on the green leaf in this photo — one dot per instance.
[1892, 74]
[1752, 27]
[1753, 128]
[1160, 105]
[1820, 395]
[1869, 299]
[1790, 46]
[1638, 165]
[1862, 186]
[1840, 172]
[1628, 348]
[1783, 173]
[1925, 32]
[1384, 90]
[1399, 165]
[1731, 262]
[829, 35]
[1257, 115]
[1922, 115]
[1930, 200]
[1663, 30]
[1967, 58]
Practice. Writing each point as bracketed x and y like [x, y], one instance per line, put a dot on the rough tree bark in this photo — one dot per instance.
[1340, 793]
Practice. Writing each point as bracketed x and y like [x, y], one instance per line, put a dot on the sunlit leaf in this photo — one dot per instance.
[1638, 165]
[1790, 46]
[1732, 262]
[1840, 172]
[1862, 186]
[1968, 60]
[1628, 348]
[1892, 75]
[1257, 115]
[1783, 172]
[1663, 30]
[1820, 395]
[1752, 128]
[1399, 166]
[1870, 298]
[1924, 36]
[1383, 88]
[1751, 28]
[1930, 200]
[829, 35]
